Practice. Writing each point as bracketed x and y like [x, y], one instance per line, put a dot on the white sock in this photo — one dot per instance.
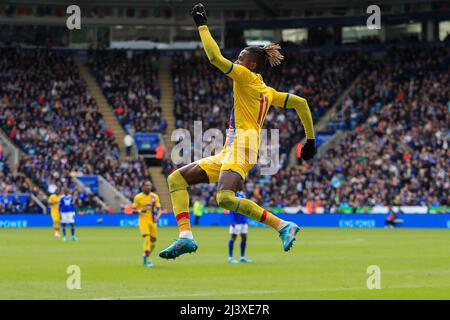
[282, 225]
[186, 234]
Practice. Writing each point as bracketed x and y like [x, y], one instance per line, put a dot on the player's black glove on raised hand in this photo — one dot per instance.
[309, 149]
[198, 13]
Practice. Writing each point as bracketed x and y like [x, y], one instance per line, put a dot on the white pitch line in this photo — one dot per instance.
[206, 294]
[200, 294]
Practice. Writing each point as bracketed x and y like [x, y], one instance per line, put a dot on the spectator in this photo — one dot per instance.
[129, 142]
[129, 80]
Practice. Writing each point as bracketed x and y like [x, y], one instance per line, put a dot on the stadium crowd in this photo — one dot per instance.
[129, 80]
[398, 156]
[386, 78]
[203, 93]
[11, 186]
[397, 153]
[15, 205]
[46, 110]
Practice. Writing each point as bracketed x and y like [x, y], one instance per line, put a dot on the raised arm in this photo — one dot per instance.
[233, 70]
[210, 46]
[213, 51]
[292, 101]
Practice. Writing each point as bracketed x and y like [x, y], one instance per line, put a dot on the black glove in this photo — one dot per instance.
[198, 13]
[309, 149]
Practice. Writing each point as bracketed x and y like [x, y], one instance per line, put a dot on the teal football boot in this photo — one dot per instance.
[232, 260]
[144, 259]
[287, 235]
[179, 247]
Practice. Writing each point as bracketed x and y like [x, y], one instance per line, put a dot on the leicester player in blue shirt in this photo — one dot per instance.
[238, 225]
[67, 210]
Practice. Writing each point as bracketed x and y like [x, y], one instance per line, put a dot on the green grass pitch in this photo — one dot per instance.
[324, 263]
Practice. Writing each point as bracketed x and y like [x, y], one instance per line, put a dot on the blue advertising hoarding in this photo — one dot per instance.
[147, 141]
[220, 219]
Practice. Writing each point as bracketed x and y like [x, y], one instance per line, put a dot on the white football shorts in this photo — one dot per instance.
[241, 228]
[68, 217]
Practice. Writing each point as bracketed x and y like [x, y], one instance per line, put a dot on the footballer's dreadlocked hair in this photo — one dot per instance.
[268, 53]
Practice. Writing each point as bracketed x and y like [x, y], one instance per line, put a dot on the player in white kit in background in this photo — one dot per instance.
[67, 211]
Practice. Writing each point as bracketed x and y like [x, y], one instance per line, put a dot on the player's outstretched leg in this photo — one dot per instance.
[180, 201]
[229, 183]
